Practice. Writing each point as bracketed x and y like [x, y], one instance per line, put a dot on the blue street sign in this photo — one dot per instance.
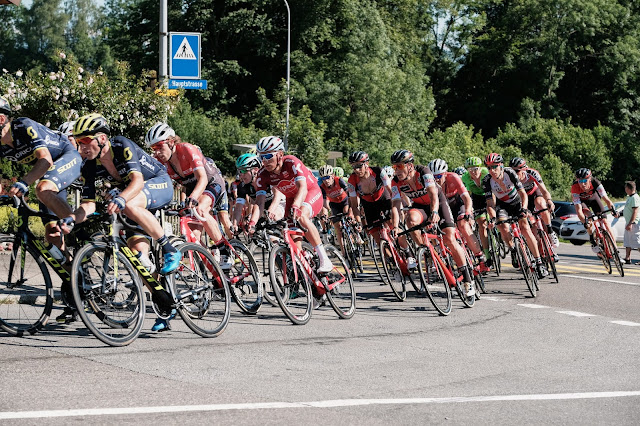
[188, 84]
[184, 55]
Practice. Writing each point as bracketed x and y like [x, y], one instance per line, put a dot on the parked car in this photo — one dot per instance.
[564, 210]
[573, 230]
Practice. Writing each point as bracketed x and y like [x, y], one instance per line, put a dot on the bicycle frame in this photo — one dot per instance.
[435, 256]
[402, 263]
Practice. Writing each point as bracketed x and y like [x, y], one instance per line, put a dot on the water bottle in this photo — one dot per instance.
[57, 254]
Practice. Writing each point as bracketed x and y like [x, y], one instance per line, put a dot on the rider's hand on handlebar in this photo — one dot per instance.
[296, 212]
[116, 205]
[190, 202]
[66, 224]
[19, 188]
[523, 213]
[251, 227]
[434, 217]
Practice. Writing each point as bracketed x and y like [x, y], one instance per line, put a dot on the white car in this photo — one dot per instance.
[573, 230]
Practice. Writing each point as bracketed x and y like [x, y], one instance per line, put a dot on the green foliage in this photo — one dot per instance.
[306, 139]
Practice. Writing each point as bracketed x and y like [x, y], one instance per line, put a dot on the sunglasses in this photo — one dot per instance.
[494, 167]
[86, 140]
[438, 176]
[357, 166]
[242, 171]
[268, 156]
[399, 166]
[473, 169]
[158, 146]
[583, 180]
[323, 178]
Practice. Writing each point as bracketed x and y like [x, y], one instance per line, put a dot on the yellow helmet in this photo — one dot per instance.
[90, 124]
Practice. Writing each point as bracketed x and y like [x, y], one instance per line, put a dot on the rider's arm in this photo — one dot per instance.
[396, 206]
[435, 202]
[468, 204]
[41, 166]
[546, 194]
[136, 183]
[301, 194]
[524, 199]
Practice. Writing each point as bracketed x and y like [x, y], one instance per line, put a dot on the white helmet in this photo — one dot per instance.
[438, 166]
[326, 171]
[269, 144]
[388, 170]
[66, 128]
[157, 133]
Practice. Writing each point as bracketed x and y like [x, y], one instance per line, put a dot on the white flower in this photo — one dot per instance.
[90, 81]
[48, 124]
[121, 117]
[100, 72]
[19, 73]
[65, 92]
[56, 97]
[79, 77]
[62, 55]
[136, 114]
[152, 107]
[80, 70]
[4, 70]
[83, 96]
[17, 107]
[62, 75]
[53, 76]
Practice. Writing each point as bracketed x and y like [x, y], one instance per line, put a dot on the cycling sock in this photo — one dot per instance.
[549, 229]
[465, 273]
[486, 253]
[322, 253]
[166, 245]
[480, 256]
[592, 240]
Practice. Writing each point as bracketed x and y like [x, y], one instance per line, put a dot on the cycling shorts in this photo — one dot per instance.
[158, 191]
[313, 201]
[479, 202]
[458, 209]
[220, 198]
[531, 204]
[65, 170]
[596, 206]
[504, 210]
[374, 209]
[337, 208]
[444, 211]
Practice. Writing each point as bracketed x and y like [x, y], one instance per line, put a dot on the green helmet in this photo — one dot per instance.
[338, 171]
[473, 162]
[248, 161]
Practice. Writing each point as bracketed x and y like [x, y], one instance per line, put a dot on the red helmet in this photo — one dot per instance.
[493, 159]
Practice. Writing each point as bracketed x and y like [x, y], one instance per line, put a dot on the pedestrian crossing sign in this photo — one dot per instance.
[184, 49]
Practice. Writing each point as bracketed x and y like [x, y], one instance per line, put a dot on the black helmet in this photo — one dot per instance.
[583, 173]
[402, 156]
[517, 163]
[358, 157]
[5, 106]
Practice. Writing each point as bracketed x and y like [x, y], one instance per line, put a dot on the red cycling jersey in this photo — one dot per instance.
[594, 191]
[422, 179]
[190, 159]
[381, 180]
[453, 186]
[531, 181]
[336, 193]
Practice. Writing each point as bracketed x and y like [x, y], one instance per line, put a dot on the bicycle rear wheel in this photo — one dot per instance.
[261, 256]
[26, 292]
[108, 293]
[526, 267]
[494, 252]
[342, 297]
[606, 261]
[201, 291]
[395, 279]
[375, 254]
[244, 279]
[293, 295]
[434, 282]
[548, 255]
[613, 251]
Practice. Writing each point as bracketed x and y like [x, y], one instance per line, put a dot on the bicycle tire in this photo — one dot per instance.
[294, 297]
[350, 250]
[261, 256]
[525, 267]
[467, 301]
[494, 252]
[395, 279]
[341, 297]
[613, 249]
[547, 255]
[24, 307]
[109, 295]
[201, 290]
[606, 262]
[244, 279]
[434, 282]
[375, 254]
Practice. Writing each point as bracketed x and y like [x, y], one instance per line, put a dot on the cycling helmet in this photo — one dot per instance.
[66, 128]
[5, 106]
[583, 173]
[517, 163]
[388, 170]
[493, 159]
[338, 172]
[460, 171]
[438, 166]
[157, 133]
[248, 161]
[402, 156]
[358, 157]
[90, 124]
[473, 162]
[326, 171]
[269, 144]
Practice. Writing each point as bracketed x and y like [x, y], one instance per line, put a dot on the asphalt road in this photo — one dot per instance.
[569, 356]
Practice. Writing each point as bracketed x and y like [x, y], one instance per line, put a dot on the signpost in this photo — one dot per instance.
[184, 59]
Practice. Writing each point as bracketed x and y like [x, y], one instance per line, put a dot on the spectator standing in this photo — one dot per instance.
[631, 217]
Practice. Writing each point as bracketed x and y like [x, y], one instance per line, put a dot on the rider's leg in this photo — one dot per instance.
[313, 236]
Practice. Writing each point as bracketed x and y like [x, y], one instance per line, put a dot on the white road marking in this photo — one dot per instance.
[532, 306]
[492, 298]
[629, 323]
[311, 404]
[576, 314]
[599, 279]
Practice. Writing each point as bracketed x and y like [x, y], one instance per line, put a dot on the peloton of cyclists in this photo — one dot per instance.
[336, 199]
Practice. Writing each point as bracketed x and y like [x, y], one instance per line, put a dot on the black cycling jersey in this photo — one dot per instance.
[30, 136]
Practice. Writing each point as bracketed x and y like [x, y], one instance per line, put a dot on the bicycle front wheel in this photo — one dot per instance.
[201, 291]
[341, 293]
[613, 251]
[260, 254]
[526, 266]
[548, 255]
[434, 281]
[244, 279]
[108, 293]
[292, 293]
[26, 292]
[394, 276]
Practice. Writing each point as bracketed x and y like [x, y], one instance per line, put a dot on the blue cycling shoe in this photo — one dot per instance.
[163, 324]
[171, 262]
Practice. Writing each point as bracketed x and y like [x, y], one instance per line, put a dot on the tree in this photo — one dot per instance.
[43, 33]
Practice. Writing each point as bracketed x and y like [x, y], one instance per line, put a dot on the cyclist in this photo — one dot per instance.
[186, 165]
[248, 166]
[299, 186]
[338, 172]
[66, 129]
[372, 187]
[140, 183]
[429, 204]
[506, 197]
[460, 204]
[460, 171]
[539, 196]
[588, 193]
[472, 180]
[55, 165]
[335, 194]
[233, 194]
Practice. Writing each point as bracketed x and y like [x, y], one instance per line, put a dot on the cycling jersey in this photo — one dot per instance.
[505, 191]
[28, 137]
[531, 182]
[594, 191]
[248, 190]
[337, 193]
[190, 158]
[453, 187]
[422, 180]
[471, 185]
[381, 181]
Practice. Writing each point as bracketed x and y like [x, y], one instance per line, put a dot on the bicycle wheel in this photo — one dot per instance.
[375, 254]
[342, 297]
[434, 282]
[467, 301]
[244, 279]
[26, 292]
[108, 293]
[494, 252]
[606, 262]
[293, 295]
[351, 253]
[525, 266]
[260, 254]
[613, 251]
[548, 255]
[502, 247]
[395, 279]
[201, 291]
